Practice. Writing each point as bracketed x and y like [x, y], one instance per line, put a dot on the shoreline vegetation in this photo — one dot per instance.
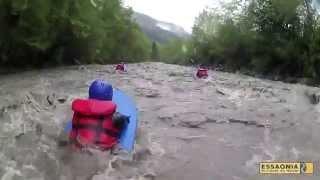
[270, 39]
[39, 33]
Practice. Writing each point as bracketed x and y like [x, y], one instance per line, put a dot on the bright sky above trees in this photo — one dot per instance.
[180, 12]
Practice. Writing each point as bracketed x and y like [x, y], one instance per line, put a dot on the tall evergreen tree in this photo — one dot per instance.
[37, 32]
[155, 52]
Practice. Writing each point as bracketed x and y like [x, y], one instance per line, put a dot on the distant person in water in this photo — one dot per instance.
[219, 67]
[121, 67]
[202, 72]
[95, 122]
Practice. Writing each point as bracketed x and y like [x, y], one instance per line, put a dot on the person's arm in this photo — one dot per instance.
[120, 121]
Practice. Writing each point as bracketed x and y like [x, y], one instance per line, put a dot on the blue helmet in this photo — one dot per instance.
[101, 90]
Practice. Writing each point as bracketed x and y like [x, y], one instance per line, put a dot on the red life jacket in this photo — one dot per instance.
[120, 67]
[92, 123]
[202, 73]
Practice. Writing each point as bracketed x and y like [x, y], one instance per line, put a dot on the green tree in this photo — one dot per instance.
[155, 52]
[177, 51]
[272, 37]
[38, 32]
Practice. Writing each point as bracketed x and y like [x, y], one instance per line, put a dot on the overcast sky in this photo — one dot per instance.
[180, 12]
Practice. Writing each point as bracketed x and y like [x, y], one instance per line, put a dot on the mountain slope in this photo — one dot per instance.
[159, 31]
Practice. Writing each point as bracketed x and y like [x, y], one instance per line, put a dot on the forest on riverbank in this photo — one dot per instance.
[51, 32]
[267, 37]
[276, 38]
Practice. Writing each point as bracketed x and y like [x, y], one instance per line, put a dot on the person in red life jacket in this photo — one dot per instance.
[121, 67]
[95, 122]
[202, 72]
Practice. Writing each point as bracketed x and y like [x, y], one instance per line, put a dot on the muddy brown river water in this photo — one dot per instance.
[214, 129]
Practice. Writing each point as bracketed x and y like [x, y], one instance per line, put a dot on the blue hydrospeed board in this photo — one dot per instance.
[125, 106]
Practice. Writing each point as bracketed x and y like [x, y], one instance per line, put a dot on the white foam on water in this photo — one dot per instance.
[236, 178]
[295, 152]
[252, 164]
[157, 149]
[29, 167]
[10, 173]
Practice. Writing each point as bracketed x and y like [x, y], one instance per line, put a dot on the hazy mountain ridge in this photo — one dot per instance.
[159, 31]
